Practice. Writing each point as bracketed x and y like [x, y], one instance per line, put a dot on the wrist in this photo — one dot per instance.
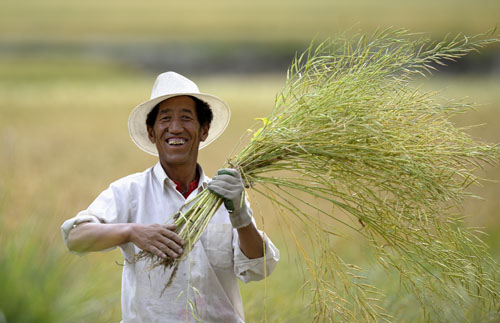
[129, 232]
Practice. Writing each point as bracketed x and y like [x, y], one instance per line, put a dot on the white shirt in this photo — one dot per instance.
[205, 281]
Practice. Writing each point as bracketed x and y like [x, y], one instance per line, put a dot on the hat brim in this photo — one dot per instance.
[137, 120]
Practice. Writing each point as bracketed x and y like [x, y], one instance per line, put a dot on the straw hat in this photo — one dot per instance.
[167, 85]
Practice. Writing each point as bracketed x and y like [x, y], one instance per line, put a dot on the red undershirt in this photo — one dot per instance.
[192, 186]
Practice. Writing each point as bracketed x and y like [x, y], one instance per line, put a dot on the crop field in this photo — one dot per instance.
[64, 107]
[64, 139]
[235, 20]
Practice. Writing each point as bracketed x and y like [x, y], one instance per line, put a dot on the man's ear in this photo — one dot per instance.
[204, 132]
[151, 135]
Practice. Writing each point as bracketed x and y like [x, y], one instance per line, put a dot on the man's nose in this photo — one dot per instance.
[175, 126]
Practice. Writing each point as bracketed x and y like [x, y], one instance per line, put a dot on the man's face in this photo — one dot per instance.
[177, 132]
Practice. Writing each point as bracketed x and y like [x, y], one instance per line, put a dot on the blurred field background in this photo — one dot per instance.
[70, 73]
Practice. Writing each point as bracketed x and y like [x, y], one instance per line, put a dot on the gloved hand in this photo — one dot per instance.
[228, 185]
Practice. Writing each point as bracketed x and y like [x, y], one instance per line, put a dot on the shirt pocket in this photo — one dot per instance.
[218, 244]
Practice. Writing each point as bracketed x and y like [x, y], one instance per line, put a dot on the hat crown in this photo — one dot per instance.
[172, 83]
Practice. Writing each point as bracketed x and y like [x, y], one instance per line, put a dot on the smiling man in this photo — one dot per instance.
[136, 211]
[175, 128]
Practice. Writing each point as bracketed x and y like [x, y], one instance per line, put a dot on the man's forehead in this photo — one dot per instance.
[181, 103]
[163, 110]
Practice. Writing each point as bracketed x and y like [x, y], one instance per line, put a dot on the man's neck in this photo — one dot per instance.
[183, 174]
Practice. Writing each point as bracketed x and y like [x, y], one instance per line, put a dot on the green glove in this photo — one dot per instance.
[229, 185]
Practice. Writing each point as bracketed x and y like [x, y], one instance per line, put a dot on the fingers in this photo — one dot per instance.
[229, 171]
[228, 175]
[171, 227]
[169, 242]
[170, 234]
[157, 252]
[220, 190]
[166, 248]
[227, 182]
[160, 240]
[225, 185]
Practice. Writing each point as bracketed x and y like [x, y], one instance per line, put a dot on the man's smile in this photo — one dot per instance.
[176, 141]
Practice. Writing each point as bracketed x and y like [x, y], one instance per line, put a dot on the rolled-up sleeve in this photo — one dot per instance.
[247, 269]
[104, 209]
[69, 224]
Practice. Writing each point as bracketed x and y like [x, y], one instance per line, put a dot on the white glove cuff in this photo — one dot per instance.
[242, 218]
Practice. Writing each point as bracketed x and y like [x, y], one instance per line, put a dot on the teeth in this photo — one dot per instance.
[176, 141]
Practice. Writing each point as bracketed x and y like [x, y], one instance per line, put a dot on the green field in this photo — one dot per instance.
[235, 20]
[63, 135]
[64, 139]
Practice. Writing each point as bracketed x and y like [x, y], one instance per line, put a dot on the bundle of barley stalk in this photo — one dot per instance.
[350, 131]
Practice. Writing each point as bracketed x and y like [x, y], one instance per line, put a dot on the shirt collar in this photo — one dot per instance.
[163, 179]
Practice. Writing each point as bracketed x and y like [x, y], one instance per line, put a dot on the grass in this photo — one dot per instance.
[42, 282]
[225, 20]
[63, 140]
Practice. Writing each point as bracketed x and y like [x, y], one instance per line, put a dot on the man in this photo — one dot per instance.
[135, 213]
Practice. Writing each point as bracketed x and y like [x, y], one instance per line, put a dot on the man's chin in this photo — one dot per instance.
[176, 158]
[176, 155]
[171, 150]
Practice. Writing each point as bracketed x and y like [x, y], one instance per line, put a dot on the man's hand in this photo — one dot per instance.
[228, 185]
[160, 240]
